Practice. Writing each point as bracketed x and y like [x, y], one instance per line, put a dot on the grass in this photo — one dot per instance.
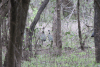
[73, 57]
[70, 58]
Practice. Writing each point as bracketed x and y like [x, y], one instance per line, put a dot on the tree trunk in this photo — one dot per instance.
[0, 45]
[97, 29]
[19, 35]
[57, 43]
[6, 58]
[79, 26]
[54, 29]
[11, 48]
[0, 1]
[44, 4]
[18, 16]
[20, 26]
[26, 53]
[4, 31]
[3, 12]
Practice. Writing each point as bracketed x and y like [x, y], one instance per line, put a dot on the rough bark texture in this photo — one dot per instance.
[3, 9]
[97, 30]
[79, 27]
[54, 29]
[26, 53]
[4, 35]
[6, 58]
[11, 50]
[0, 46]
[57, 43]
[19, 35]
[20, 26]
[18, 14]
[44, 4]
[0, 43]
[3, 12]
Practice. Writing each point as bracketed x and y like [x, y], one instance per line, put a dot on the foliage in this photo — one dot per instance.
[34, 13]
[74, 58]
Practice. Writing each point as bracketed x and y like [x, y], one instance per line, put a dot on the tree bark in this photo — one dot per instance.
[0, 45]
[79, 26]
[4, 31]
[0, 1]
[18, 16]
[11, 48]
[57, 43]
[3, 12]
[44, 4]
[54, 29]
[20, 26]
[97, 29]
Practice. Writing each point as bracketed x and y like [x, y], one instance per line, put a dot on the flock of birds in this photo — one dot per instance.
[43, 36]
[50, 37]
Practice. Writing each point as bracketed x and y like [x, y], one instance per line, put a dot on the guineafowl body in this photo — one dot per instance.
[43, 36]
[50, 37]
[92, 34]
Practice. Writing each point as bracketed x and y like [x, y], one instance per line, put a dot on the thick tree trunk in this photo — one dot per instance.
[44, 4]
[97, 29]
[19, 31]
[18, 16]
[20, 26]
[11, 48]
[0, 46]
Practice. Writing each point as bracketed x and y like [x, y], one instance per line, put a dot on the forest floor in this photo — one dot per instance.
[71, 57]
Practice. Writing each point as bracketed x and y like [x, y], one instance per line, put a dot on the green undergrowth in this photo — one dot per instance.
[74, 58]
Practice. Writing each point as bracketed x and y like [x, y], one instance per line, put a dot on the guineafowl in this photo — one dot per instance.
[43, 36]
[50, 37]
[92, 34]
